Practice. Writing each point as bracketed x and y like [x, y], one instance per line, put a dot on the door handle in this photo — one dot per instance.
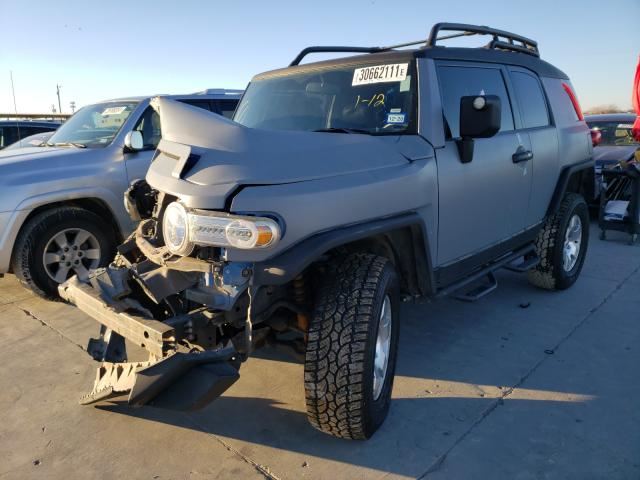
[522, 155]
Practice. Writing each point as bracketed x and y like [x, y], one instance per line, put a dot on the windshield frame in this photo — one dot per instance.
[125, 126]
[413, 126]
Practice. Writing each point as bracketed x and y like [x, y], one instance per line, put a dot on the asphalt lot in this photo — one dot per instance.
[483, 390]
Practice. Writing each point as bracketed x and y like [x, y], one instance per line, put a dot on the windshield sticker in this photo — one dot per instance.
[113, 111]
[396, 118]
[376, 100]
[628, 126]
[380, 74]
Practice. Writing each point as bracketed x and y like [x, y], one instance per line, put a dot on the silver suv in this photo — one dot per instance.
[61, 209]
[340, 187]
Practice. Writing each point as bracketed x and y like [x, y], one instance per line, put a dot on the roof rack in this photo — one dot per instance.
[502, 40]
[308, 50]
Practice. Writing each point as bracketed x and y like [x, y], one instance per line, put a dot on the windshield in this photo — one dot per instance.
[93, 126]
[373, 99]
[615, 133]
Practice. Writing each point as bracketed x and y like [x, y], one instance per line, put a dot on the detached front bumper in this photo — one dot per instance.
[172, 378]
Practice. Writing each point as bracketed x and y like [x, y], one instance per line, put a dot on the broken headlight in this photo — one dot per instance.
[182, 229]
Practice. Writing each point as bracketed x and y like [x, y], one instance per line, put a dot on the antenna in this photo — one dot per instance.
[15, 106]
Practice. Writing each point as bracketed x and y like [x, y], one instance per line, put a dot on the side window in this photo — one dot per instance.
[149, 127]
[204, 104]
[531, 100]
[226, 108]
[457, 82]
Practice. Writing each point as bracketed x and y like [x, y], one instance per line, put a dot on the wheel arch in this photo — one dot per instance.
[402, 239]
[573, 178]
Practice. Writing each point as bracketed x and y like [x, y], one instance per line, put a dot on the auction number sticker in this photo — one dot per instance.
[396, 72]
[113, 111]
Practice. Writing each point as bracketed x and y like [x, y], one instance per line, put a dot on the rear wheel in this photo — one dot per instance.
[562, 245]
[352, 347]
[59, 243]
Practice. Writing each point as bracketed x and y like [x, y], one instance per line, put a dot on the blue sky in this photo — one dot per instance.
[100, 50]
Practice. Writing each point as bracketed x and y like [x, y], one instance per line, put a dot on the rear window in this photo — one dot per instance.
[614, 134]
[533, 105]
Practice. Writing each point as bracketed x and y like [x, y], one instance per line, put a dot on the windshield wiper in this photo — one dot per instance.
[343, 130]
[65, 144]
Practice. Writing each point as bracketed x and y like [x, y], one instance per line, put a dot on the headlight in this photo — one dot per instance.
[216, 229]
[175, 229]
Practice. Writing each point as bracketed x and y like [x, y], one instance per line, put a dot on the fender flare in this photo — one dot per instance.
[286, 266]
[563, 182]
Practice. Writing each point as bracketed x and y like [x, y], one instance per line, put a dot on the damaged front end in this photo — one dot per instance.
[196, 316]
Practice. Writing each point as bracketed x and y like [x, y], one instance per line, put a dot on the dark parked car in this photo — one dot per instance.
[13, 130]
[35, 140]
[616, 141]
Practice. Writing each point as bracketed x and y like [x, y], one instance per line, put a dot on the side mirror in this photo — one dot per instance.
[480, 117]
[133, 141]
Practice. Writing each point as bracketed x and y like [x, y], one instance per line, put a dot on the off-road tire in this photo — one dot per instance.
[338, 371]
[26, 261]
[550, 273]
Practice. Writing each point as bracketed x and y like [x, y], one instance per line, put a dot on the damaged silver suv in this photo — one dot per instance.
[339, 188]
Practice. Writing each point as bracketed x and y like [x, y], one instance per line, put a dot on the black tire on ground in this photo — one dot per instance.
[27, 260]
[338, 371]
[550, 273]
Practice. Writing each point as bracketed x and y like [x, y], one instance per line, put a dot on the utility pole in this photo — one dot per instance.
[58, 93]
[72, 104]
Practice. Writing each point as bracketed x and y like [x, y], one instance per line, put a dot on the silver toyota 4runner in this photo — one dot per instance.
[61, 210]
[339, 188]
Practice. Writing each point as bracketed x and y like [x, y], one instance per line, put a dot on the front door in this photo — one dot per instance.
[485, 201]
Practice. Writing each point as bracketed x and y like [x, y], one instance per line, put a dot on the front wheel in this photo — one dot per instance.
[562, 245]
[352, 347]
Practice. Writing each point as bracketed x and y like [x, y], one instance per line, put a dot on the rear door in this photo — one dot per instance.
[536, 123]
[484, 202]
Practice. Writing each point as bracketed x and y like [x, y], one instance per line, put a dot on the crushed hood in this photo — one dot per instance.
[225, 154]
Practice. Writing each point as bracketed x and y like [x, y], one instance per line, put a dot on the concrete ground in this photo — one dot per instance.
[523, 384]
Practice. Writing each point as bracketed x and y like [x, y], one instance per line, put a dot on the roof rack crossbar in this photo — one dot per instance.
[502, 40]
[308, 50]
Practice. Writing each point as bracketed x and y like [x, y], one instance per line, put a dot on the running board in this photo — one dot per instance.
[530, 260]
[480, 291]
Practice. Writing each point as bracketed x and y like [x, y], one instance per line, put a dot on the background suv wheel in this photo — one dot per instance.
[59, 243]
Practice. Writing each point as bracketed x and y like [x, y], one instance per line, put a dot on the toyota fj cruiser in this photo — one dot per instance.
[340, 188]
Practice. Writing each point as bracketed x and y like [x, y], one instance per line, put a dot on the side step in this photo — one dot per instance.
[529, 260]
[480, 290]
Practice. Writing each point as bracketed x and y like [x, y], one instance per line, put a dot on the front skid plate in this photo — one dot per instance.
[182, 381]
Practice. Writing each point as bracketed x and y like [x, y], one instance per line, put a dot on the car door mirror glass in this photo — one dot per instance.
[133, 141]
[480, 117]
